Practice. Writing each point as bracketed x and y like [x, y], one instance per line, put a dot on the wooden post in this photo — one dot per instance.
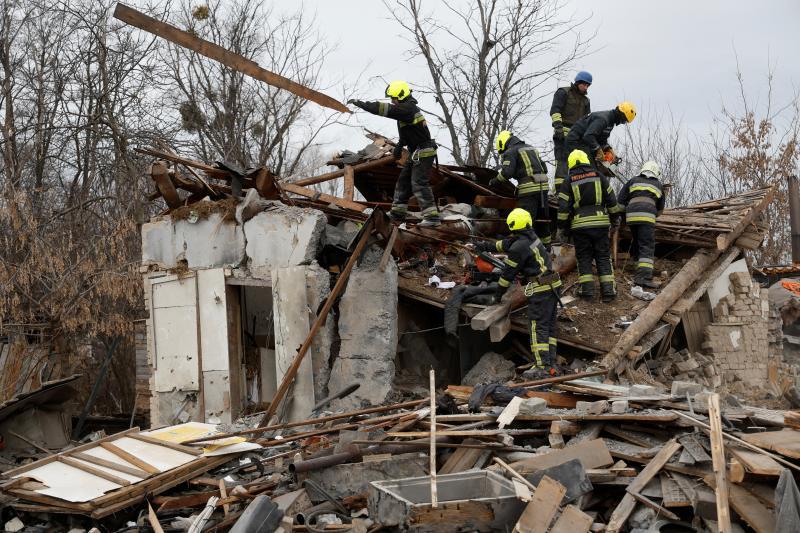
[288, 377]
[434, 493]
[349, 182]
[718, 459]
[367, 165]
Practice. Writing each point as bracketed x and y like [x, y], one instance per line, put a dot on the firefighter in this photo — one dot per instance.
[590, 134]
[528, 259]
[643, 199]
[414, 134]
[570, 104]
[585, 202]
[523, 163]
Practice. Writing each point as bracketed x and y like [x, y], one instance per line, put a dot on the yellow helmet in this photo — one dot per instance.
[628, 109]
[577, 157]
[519, 219]
[501, 140]
[398, 89]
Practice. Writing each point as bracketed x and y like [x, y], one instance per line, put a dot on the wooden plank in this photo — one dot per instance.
[83, 447]
[720, 465]
[222, 55]
[462, 459]
[349, 182]
[499, 330]
[132, 459]
[672, 494]
[592, 454]
[171, 445]
[322, 197]
[539, 513]
[154, 523]
[628, 502]
[748, 507]
[694, 448]
[755, 463]
[588, 433]
[572, 520]
[785, 442]
[223, 494]
[74, 463]
[644, 500]
[509, 412]
[736, 471]
[514, 474]
[109, 464]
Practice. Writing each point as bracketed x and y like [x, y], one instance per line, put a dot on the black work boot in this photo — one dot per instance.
[608, 292]
[396, 215]
[430, 222]
[643, 280]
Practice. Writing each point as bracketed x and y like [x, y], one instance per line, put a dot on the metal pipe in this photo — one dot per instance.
[794, 217]
[351, 453]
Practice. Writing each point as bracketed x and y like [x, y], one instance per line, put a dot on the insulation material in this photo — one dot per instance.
[196, 430]
[68, 483]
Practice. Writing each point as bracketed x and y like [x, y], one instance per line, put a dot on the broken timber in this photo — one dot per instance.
[226, 57]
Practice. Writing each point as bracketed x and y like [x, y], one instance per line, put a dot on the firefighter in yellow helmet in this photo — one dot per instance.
[414, 134]
[586, 205]
[590, 134]
[528, 260]
[521, 162]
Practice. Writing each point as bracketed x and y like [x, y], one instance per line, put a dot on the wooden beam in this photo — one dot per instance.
[110, 464]
[322, 197]
[720, 465]
[74, 463]
[628, 502]
[226, 57]
[434, 491]
[328, 176]
[166, 444]
[291, 372]
[130, 458]
[349, 182]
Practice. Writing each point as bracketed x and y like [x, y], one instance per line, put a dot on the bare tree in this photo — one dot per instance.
[488, 70]
[228, 115]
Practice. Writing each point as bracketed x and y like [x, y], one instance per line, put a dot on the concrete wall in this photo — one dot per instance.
[205, 243]
[368, 334]
[282, 236]
[738, 338]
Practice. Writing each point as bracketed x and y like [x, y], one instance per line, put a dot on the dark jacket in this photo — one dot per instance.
[643, 199]
[593, 130]
[587, 199]
[523, 163]
[526, 257]
[411, 124]
[569, 106]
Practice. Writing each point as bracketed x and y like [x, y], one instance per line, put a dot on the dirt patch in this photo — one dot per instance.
[203, 210]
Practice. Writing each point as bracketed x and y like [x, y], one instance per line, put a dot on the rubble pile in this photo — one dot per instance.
[682, 365]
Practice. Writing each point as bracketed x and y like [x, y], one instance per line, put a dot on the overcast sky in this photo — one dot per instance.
[676, 55]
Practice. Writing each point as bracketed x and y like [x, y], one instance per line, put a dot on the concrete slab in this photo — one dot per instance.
[209, 242]
[158, 244]
[282, 236]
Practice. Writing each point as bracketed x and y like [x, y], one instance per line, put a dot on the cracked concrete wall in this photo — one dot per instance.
[282, 236]
[206, 243]
[368, 334]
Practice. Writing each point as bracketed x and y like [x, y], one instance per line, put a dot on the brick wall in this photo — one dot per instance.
[738, 337]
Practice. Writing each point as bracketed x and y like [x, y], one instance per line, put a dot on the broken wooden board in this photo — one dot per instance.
[672, 494]
[539, 513]
[572, 520]
[756, 463]
[222, 55]
[592, 454]
[749, 508]
[720, 466]
[785, 442]
[626, 506]
[462, 459]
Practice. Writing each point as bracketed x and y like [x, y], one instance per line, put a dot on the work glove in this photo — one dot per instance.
[558, 134]
[397, 153]
[561, 235]
[353, 101]
[495, 182]
[600, 155]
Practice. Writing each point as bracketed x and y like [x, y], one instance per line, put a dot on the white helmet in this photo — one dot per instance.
[651, 169]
